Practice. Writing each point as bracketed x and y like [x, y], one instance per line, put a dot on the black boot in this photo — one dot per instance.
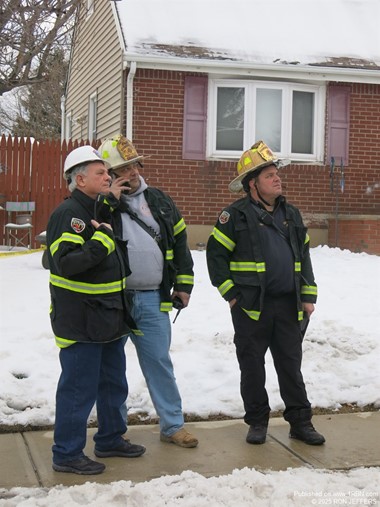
[257, 433]
[301, 427]
[306, 432]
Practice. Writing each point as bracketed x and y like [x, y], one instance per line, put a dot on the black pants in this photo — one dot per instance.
[277, 329]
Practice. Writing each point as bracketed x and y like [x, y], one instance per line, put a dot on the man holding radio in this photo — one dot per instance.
[162, 278]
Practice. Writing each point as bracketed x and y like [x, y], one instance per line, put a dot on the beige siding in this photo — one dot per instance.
[96, 66]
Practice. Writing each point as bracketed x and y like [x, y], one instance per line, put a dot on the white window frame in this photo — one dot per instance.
[92, 116]
[286, 122]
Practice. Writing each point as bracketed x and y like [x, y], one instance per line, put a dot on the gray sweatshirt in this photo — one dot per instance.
[145, 257]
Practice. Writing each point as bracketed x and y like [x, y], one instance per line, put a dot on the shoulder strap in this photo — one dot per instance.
[142, 224]
[267, 219]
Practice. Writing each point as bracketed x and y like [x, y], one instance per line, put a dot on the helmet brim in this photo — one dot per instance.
[236, 184]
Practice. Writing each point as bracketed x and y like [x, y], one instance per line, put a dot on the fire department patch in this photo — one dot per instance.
[224, 217]
[78, 225]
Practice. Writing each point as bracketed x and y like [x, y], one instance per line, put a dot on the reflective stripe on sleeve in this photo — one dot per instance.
[185, 279]
[104, 240]
[310, 290]
[223, 239]
[66, 236]
[225, 287]
[179, 227]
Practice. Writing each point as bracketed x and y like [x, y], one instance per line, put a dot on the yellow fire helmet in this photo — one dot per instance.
[119, 151]
[254, 160]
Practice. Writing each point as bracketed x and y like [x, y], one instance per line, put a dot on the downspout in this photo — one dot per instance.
[63, 107]
[129, 113]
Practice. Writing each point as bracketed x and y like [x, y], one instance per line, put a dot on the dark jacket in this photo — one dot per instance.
[178, 264]
[87, 274]
[236, 259]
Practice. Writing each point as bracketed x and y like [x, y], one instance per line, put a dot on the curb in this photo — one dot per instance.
[9, 253]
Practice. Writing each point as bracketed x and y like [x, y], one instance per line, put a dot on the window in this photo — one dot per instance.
[288, 117]
[92, 117]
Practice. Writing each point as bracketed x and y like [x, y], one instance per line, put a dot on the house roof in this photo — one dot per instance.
[313, 33]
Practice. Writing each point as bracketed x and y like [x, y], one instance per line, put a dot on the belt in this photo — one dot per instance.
[142, 290]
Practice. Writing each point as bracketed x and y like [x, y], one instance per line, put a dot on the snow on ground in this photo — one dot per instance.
[341, 365]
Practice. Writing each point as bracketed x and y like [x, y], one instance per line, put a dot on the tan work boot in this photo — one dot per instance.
[181, 437]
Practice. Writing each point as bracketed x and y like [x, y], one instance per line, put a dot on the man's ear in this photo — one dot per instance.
[252, 183]
[80, 180]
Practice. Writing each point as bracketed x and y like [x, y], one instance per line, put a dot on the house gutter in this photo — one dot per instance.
[129, 113]
[224, 68]
[63, 110]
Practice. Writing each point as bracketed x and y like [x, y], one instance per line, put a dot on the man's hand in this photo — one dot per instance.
[118, 185]
[183, 296]
[308, 308]
[97, 224]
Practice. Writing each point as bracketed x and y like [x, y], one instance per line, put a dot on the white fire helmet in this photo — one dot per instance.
[82, 155]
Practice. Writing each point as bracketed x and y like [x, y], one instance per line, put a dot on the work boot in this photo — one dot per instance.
[306, 432]
[257, 433]
[80, 466]
[123, 450]
[181, 437]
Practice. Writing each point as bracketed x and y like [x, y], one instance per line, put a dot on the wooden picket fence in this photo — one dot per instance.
[32, 171]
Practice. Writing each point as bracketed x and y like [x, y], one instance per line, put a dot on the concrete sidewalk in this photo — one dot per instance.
[352, 440]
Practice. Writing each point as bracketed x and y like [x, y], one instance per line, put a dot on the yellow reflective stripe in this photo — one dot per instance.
[137, 332]
[62, 343]
[252, 314]
[297, 266]
[186, 279]
[223, 239]
[247, 266]
[225, 287]
[169, 255]
[87, 288]
[300, 315]
[166, 306]
[307, 238]
[309, 289]
[66, 236]
[179, 227]
[104, 240]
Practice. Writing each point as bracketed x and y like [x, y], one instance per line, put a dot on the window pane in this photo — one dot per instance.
[302, 122]
[230, 119]
[268, 117]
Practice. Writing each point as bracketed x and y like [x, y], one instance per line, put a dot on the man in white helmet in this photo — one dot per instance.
[162, 276]
[89, 315]
[258, 258]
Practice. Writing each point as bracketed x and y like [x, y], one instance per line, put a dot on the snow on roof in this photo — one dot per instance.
[308, 32]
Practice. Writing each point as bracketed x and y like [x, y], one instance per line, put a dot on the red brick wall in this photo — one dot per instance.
[200, 187]
[360, 235]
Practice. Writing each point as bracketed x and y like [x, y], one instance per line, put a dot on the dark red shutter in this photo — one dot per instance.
[338, 124]
[195, 116]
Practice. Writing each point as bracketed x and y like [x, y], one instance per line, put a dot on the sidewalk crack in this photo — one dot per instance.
[292, 452]
[35, 469]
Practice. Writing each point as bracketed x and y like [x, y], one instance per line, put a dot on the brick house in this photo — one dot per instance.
[194, 84]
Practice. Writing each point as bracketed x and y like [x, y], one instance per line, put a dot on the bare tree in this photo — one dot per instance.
[29, 32]
[39, 114]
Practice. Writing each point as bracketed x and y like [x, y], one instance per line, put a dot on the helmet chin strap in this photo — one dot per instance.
[261, 197]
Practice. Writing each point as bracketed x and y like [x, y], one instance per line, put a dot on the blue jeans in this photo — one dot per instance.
[154, 358]
[91, 373]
